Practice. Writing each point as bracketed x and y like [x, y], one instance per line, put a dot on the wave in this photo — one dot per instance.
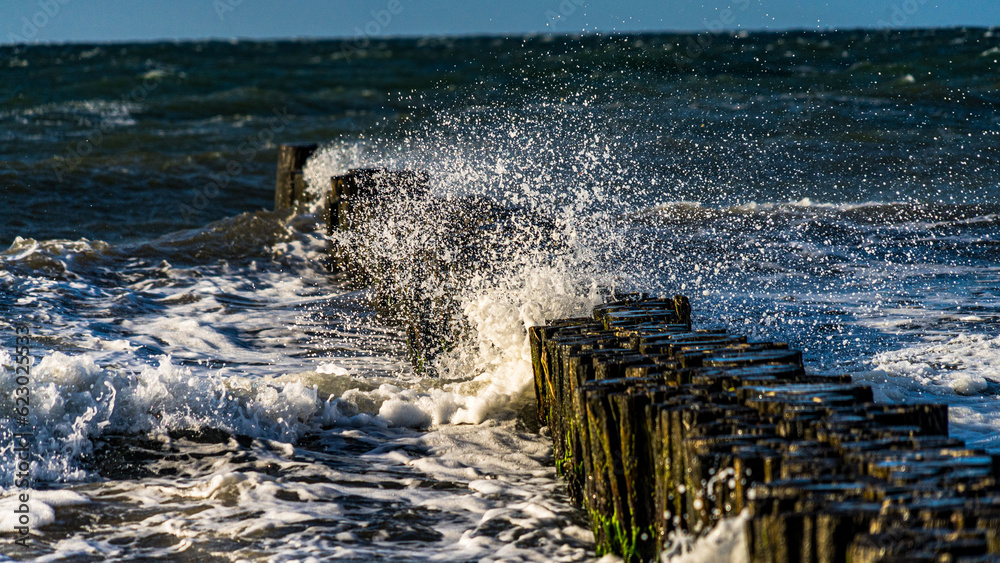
[103, 114]
[179, 333]
[872, 212]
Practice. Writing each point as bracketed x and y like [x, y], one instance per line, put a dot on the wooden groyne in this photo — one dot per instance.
[352, 202]
[467, 228]
[660, 428]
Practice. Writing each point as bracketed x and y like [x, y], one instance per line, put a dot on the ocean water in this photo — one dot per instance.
[202, 389]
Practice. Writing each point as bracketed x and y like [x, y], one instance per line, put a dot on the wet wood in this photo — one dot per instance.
[290, 188]
[659, 428]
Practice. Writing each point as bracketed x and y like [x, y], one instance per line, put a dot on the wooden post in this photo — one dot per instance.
[345, 202]
[354, 201]
[290, 188]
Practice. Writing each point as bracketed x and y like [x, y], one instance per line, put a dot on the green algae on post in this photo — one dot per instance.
[680, 428]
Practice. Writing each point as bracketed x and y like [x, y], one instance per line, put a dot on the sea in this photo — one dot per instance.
[200, 387]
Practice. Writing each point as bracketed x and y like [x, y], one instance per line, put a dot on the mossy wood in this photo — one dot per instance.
[659, 428]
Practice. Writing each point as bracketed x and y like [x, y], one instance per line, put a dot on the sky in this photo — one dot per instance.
[30, 21]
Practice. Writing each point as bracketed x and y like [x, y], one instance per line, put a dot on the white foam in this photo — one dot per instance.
[399, 412]
[40, 508]
[75, 401]
[725, 543]
[332, 369]
[492, 499]
[963, 365]
[499, 353]
[509, 292]
[962, 371]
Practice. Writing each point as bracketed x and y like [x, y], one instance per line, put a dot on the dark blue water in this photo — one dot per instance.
[837, 117]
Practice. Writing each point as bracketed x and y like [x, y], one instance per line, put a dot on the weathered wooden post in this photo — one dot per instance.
[352, 197]
[355, 203]
[290, 188]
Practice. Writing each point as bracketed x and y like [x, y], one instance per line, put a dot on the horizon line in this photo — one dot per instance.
[735, 32]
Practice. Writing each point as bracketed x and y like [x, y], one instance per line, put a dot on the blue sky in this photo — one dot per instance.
[114, 20]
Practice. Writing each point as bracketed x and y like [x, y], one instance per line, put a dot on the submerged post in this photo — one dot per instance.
[290, 189]
[348, 191]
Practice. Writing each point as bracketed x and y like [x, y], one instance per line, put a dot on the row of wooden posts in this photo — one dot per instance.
[414, 282]
[661, 429]
[351, 200]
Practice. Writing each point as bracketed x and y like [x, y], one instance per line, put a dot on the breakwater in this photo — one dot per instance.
[414, 286]
[660, 428]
